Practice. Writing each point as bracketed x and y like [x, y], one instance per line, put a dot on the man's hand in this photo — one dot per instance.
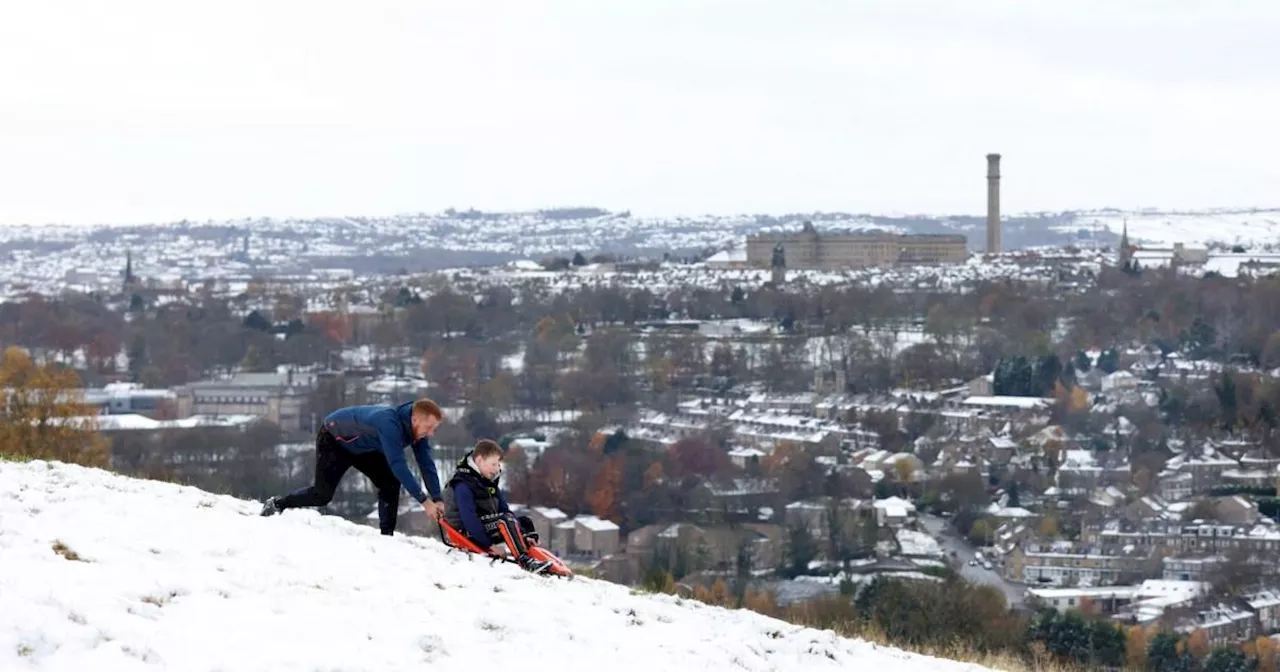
[434, 509]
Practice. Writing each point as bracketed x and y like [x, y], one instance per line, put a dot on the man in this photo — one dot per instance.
[476, 507]
[372, 439]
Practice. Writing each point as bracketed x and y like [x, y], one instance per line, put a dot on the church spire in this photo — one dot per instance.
[128, 270]
[1125, 250]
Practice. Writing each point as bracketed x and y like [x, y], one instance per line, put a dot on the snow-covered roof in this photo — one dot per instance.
[596, 524]
[1009, 511]
[895, 506]
[1007, 401]
[549, 513]
[918, 544]
[738, 254]
[136, 422]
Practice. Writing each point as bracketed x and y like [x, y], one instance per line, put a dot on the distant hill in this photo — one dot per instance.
[422, 241]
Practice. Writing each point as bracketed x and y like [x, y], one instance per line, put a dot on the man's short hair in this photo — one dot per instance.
[486, 448]
[428, 407]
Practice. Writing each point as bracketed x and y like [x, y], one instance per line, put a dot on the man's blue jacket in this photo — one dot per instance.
[365, 429]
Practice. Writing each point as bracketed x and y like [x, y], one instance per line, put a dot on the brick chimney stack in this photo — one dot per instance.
[993, 204]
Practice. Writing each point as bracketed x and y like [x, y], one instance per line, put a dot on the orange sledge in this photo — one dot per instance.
[456, 540]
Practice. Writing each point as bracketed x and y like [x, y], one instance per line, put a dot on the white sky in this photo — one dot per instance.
[116, 111]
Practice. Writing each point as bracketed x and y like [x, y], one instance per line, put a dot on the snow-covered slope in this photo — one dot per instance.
[1151, 227]
[173, 578]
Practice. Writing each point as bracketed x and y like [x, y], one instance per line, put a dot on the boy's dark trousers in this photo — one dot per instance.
[514, 532]
[332, 463]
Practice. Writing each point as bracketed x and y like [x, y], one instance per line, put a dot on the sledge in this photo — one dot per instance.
[456, 540]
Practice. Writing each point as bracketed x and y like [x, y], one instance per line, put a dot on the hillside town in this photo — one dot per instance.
[1083, 430]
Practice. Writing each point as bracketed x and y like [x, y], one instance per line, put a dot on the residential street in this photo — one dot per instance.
[950, 541]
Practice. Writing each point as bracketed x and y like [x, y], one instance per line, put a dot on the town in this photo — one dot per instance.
[802, 416]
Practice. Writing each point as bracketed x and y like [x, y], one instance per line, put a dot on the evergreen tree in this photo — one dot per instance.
[1066, 636]
[1000, 378]
[1227, 659]
[1225, 390]
[1163, 654]
[1048, 370]
[1108, 361]
[1082, 362]
[1107, 641]
[1201, 339]
[802, 549]
[1069, 374]
[255, 320]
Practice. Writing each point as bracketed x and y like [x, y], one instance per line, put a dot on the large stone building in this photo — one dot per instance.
[279, 397]
[807, 249]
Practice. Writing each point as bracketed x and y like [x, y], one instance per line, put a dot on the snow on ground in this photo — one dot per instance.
[514, 362]
[171, 577]
[918, 544]
[1243, 226]
[823, 350]
[1228, 265]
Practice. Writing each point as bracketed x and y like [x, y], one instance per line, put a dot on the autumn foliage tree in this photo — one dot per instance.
[1264, 650]
[606, 489]
[761, 601]
[549, 481]
[774, 463]
[1198, 644]
[567, 475]
[653, 475]
[335, 326]
[799, 476]
[42, 416]
[1068, 402]
[699, 456]
[452, 368]
[718, 594]
[1137, 639]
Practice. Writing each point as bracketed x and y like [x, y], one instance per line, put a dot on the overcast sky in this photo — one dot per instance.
[128, 111]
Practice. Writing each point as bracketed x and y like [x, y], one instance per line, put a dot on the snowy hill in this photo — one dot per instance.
[102, 572]
[1152, 227]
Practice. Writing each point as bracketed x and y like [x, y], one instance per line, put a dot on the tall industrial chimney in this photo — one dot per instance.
[993, 204]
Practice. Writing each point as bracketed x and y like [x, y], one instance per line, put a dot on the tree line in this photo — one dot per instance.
[957, 619]
[592, 351]
[176, 341]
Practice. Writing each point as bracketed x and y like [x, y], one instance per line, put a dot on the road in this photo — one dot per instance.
[950, 541]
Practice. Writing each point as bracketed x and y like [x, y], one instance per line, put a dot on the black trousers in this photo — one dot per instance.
[332, 463]
[517, 532]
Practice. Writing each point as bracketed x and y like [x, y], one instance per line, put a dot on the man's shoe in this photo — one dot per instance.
[270, 508]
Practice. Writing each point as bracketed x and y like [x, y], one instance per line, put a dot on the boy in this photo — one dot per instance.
[372, 439]
[476, 507]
